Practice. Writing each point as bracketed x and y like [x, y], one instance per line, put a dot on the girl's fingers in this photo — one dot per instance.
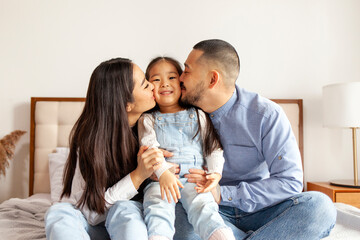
[210, 177]
[177, 191]
[207, 189]
[173, 193]
[168, 195]
[199, 189]
[162, 193]
[179, 183]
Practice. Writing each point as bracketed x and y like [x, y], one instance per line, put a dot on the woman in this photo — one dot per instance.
[102, 169]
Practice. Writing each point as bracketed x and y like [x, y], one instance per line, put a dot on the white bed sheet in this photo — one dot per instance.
[347, 225]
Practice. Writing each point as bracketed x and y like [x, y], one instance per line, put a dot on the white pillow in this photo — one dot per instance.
[57, 161]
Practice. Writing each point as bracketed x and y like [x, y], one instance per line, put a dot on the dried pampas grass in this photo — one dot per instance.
[7, 148]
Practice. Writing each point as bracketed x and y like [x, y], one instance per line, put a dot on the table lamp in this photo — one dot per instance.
[341, 109]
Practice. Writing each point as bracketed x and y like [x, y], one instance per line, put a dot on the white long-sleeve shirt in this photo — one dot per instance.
[122, 190]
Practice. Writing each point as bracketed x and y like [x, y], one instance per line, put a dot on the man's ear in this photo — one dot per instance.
[215, 78]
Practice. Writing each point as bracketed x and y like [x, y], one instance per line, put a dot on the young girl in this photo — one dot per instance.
[188, 134]
[105, 167]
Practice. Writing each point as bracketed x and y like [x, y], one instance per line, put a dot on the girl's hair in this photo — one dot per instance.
[211, 140]
[102, 141]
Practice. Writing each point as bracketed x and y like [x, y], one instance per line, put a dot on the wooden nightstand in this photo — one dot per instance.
[337, 194]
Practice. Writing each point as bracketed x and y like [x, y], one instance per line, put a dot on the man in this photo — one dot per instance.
[260, 194]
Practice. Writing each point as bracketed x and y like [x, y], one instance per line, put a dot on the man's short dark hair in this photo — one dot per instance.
[223, 54]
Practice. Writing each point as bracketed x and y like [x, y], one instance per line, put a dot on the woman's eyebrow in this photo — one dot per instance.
[142, 83]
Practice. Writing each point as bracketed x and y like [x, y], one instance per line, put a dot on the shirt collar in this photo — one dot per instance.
[218, 113]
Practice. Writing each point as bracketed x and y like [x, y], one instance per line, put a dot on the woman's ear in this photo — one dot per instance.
[215, 77]
[129, 107]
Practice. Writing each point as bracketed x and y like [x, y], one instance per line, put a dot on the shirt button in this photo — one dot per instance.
[230, 198]
[159, 118]
[180, 130]
[279, 157]
[212, 115]
[192, 115]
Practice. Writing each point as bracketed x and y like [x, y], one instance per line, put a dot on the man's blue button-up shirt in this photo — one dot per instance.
[262, 159]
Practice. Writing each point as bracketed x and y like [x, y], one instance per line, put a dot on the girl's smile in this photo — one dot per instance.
[165, 78]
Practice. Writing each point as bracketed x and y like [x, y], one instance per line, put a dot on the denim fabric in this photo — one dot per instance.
[125, 220]
[63, 221]
[175, 132]
[201, 208]
[307, 216]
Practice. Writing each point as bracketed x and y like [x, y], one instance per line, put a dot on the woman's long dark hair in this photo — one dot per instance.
[102, 141]
[211, 140]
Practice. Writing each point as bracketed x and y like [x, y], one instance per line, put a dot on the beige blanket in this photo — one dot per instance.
[22, 219]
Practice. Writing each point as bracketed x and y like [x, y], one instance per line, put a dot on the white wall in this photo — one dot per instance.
[288, 49]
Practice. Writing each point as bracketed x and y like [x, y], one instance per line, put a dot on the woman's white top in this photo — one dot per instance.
[122, 190]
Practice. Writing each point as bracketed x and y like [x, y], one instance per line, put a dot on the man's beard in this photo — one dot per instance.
[193, 97]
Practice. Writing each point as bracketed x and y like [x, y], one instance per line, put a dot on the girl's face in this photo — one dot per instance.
[143, 93]
[167, 89]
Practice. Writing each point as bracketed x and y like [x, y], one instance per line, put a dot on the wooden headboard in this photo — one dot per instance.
[52, 120]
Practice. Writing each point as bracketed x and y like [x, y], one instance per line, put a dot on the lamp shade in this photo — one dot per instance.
[341, 105]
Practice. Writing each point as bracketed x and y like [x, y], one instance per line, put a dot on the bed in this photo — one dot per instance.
[51, 122]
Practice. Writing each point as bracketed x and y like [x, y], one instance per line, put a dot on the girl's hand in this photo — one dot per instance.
[169, 184]
[212, 181]
[147, 159]
[174, 169]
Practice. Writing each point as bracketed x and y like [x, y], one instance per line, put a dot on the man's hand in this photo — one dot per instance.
[169, 185]
[211, 181]
[198, 176]
[216, 192]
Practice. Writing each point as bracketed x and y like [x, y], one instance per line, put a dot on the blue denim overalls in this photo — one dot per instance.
[175, 133]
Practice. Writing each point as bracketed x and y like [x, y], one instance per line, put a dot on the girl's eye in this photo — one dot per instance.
[155, 80]
[172, 77]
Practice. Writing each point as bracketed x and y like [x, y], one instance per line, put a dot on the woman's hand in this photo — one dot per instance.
[169, 184]
[147, 159]
[175, 169]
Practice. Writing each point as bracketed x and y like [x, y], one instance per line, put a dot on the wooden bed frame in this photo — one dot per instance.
[39, 173]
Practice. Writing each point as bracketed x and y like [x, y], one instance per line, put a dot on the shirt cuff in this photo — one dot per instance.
[122, 190]
[215, 162]
[228, 196]
[164, 166]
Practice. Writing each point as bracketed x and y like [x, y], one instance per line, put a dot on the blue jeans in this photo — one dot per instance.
[201, 208]
[309, 215]
[64, 221]
[125, 220]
